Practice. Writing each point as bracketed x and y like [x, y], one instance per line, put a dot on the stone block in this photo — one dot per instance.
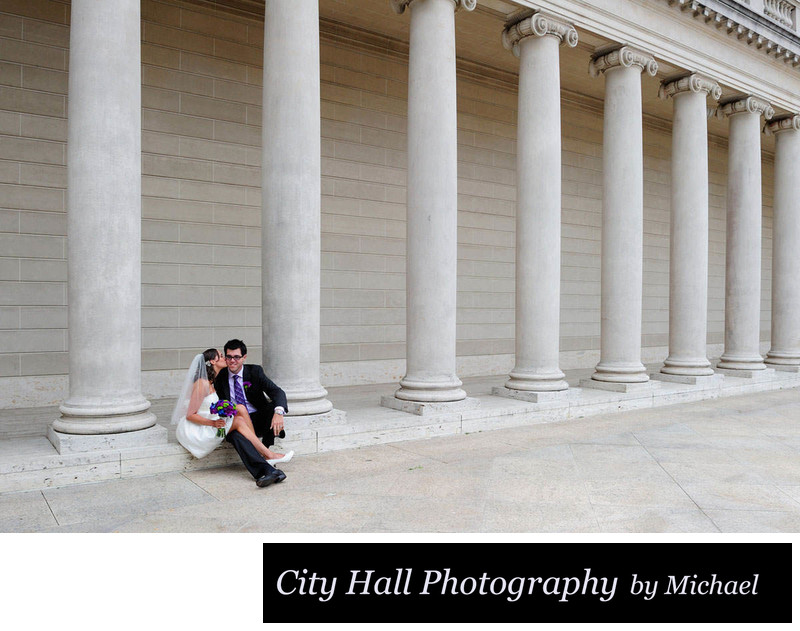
[705, 381]
[59, 476]
[180, 124]
[45, 175]
[785, 368]
[424, 409]
[33, 54]
[43, 317]
[530, 396]
[32, 150]
[78, 443]
[15, 293]
[177, 38]
[33, 340]
[767, 374]
[213, 25]
[45, 80]
[237, 133]
[216, 109]
[613, 386]
[240, 53]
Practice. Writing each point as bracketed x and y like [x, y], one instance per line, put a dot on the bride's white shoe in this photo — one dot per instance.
[286, 458]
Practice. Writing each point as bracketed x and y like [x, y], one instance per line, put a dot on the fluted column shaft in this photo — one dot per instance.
[743, 234]
[538, 253]
[785, 347]
[431, 258]
[623, 216]
[291, 224]
[688, 268]
[104, 221]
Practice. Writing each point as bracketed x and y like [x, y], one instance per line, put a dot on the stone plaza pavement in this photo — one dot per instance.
[720, 465]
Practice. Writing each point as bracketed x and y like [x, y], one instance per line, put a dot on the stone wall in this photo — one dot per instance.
[201, 207]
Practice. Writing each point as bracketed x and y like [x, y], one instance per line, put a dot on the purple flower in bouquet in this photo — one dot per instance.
[223, 407]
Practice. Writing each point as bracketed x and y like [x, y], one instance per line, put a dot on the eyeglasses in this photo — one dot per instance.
[233, 358]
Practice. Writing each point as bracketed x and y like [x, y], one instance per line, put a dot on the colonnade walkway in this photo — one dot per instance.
[723, 464]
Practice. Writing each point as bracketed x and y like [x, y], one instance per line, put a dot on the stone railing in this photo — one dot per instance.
[783, 12]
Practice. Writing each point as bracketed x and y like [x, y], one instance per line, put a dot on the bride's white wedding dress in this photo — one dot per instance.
[201, 440]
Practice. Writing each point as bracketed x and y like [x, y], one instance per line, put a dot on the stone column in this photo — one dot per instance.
[620, 364]
[291, 190]
[536, 40]
[784, 353]
[104, 231]
[431, 256]
[688, 268]
[743, 246]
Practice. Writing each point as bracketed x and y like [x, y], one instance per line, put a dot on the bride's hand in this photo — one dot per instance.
[218, 423]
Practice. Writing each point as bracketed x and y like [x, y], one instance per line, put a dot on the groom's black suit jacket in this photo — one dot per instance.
[260, 385]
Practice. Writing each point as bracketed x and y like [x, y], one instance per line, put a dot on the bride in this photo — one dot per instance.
[198, 429]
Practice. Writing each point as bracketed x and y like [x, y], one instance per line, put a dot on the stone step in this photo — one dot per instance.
[28, 461]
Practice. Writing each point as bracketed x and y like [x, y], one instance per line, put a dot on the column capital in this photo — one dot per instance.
[538, 24]
[740, 104]
[400, 5]
[622, 56]
[790, 122]
[690, 83]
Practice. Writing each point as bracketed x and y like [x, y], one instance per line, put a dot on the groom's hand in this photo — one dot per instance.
[277, 424]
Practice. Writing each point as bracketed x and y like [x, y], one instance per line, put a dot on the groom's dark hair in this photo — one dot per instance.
[233, 345]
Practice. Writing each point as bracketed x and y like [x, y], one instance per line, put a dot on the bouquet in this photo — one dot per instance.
[223, 407]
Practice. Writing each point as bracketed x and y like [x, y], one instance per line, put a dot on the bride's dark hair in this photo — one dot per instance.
[210, 355]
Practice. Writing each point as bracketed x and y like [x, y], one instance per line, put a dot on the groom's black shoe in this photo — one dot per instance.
[271, 478]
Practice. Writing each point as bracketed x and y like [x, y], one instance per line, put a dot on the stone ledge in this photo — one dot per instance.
[36, 465]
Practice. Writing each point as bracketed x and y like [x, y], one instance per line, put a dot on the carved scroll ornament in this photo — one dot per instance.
[751, 104]
[690, 83]
[400, 5]
[625, 57]
[540, 25]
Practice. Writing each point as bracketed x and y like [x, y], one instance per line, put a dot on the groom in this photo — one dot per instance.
[246, 384]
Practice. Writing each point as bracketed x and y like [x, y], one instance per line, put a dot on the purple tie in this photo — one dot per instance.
[238, 393]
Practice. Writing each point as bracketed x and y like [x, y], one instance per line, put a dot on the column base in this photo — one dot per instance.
[530, 395]
[306, 399]
[610, 372]
[83, 418]
[533, 382]
[430, 391]
[746, 363]
[620, 386]
[710, 381]
[81, 443]
[789, 362]
[424, 408]
[764, 374]
[699, 367]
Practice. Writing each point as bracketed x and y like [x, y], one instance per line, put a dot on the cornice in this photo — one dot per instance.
[736, 24]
